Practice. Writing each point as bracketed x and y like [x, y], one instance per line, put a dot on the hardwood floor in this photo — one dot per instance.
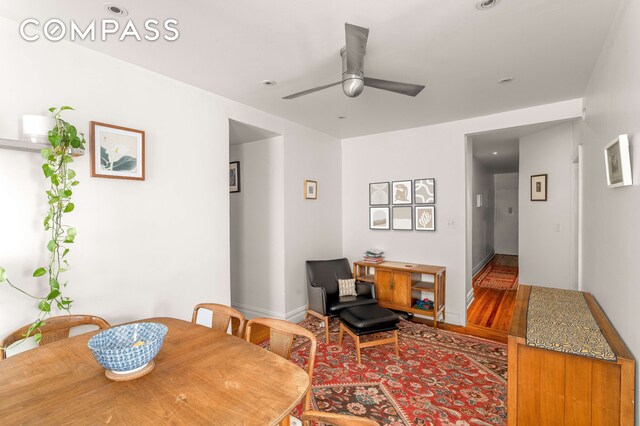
[492, 308]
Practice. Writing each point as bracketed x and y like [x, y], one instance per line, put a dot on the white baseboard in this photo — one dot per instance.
[470, 297]
[482, 263]
[249, 312]
[450, 318]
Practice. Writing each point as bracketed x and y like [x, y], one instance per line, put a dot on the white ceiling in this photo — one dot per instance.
[229, 47]
[506, 143]
[245, 133]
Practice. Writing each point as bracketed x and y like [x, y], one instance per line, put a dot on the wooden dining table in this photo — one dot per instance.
[202, 376]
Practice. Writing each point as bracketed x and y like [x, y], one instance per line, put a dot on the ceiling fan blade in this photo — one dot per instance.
[393, 86]
[356, 46]
[315, 89]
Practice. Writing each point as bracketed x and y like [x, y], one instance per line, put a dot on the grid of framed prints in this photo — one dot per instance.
[403, 205]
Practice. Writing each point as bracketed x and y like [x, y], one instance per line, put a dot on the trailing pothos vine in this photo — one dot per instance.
[64, 138]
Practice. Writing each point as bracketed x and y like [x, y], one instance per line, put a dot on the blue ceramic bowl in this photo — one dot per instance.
[119, 349]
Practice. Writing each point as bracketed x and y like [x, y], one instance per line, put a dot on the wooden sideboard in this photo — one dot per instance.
[553, 385]
[399, 285]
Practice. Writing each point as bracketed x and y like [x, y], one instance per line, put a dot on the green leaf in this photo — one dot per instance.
[76, 142]
[72, 232]
[75, 183]
[3, 275]
[51, 245]
[69, 208]
[64, 253]
[39, 272]
[67, 158]
[66, 301]
[69, 240]
[44, 306]
[48, 171]
[71, 174]
[55, 180]
[54, 200]
[53, 295]
[67, 193]
[54, 284]
[126, 163]
[55, 139]
[64, 108]
[45, 153]
[73, 132]
[52, 109]
[37, 337]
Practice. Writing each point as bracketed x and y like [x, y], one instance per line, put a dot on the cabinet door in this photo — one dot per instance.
[401, 286]
[384, 285]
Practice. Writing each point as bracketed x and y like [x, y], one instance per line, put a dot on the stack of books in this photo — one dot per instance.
[373, 256]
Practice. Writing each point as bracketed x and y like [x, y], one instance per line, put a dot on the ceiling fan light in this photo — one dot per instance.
[352, 86]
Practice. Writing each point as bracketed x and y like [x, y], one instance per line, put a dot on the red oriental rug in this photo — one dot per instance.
[497, 274]
[441, 377]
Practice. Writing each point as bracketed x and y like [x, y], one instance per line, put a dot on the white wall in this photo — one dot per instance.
[257, 228]
[611, 226]
[437, 151]
[148, 248]
[483, 216]
[506, 213]
[545, 226]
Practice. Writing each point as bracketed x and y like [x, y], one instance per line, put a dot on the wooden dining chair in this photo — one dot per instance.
[281, 334]
[221, 316]
[336, 419]
[54, 329]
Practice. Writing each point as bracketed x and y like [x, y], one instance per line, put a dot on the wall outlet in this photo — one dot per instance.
[479, 200]
[451, 223]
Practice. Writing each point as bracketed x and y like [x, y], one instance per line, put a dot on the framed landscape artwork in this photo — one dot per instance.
[539, 187]
[379, 194]
[234, 176]
[425, 218]
[402, 191]
[310, 189]
[424, 191]
[618, 162]
[402, 218]
[378, 217]
[116, 152]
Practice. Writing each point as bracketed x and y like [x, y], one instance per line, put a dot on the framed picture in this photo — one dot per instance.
[424, 191]
[116, 152]
[539, 187]
[310, 189]
[234, 176]
[402, 218]
[378, 217]
[379, 194]
[425, 218]
[402, 191]
[618, 162]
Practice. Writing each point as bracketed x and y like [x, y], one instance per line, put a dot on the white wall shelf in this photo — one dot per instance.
[30, 146]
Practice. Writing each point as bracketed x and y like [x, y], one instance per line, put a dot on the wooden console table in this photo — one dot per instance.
[400, 285]
[567, 364]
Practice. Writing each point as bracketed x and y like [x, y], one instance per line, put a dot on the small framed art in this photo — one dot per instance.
[618, 162]
[378, 217]
[402, 191]
[234, 176]
[116, 152]
[539, 187]
[402, 218]
[310, 190]
[379, 194]
[425, 218]
[424, 191]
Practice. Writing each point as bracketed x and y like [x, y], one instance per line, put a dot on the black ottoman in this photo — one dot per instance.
[369, 319]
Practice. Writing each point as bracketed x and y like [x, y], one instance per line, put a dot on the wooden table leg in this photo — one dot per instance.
[395, 337]
[358, 349]
[341, 334]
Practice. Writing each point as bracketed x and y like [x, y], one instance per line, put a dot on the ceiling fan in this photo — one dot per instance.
[353, 79]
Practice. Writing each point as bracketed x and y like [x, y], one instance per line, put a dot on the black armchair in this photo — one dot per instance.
[322, 289]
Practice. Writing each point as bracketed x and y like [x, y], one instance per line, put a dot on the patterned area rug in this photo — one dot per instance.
[441, 378]
[499, 273]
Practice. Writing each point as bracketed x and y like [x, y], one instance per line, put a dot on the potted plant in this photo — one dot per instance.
[64, 139]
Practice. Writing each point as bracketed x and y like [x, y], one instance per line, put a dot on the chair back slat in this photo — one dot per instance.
[221, 317]
[54, 329]
[280, 343]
